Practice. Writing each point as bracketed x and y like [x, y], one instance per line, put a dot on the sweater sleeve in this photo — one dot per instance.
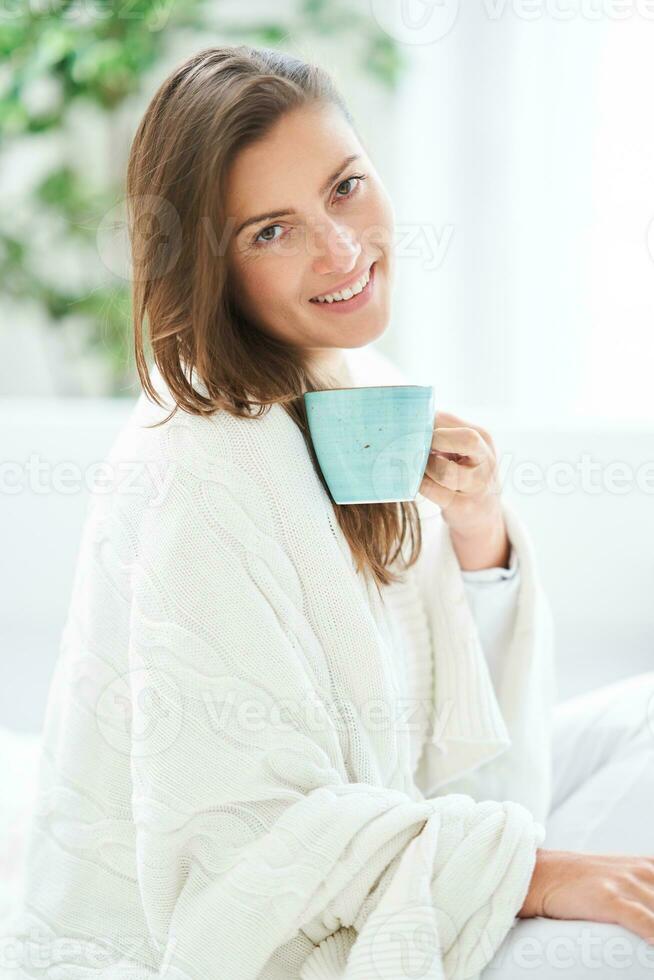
[492, 594]
[258, 855]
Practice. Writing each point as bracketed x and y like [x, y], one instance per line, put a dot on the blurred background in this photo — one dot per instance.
[516, 140]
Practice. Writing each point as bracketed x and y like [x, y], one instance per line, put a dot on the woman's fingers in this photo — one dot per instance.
[461, 440]
[448, 420]
[633, 902]
[635, 916]
[646, 869]
[456, 477]
[638, 886]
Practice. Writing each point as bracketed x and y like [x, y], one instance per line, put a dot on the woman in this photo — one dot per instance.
[274, 746]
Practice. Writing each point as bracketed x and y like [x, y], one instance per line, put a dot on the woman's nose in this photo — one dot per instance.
[335, 249]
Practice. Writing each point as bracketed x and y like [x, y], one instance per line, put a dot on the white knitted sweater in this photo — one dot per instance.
[252, 767]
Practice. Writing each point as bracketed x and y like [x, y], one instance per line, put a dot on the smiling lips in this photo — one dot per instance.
[353, 297]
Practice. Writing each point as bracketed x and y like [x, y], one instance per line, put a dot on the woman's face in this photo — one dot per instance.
[341, 226]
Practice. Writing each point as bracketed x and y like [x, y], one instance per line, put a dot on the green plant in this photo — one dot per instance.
[94, 55]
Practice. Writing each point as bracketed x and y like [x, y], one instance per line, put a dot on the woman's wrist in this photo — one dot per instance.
[541, 878]
[485, 546]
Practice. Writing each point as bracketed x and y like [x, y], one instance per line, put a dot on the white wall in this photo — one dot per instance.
[525, 147]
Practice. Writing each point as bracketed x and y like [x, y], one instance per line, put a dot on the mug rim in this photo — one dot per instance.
[315, 391]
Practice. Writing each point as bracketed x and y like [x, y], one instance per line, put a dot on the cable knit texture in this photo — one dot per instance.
[255, 767]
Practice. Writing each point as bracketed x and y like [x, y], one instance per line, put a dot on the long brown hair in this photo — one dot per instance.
[210, 107]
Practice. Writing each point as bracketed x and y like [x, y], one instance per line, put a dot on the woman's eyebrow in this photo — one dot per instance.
[284, 211]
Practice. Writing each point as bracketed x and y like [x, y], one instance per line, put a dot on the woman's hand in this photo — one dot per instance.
[462, 479]
[615, 888]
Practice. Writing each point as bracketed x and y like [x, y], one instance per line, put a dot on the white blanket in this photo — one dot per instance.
[227, 790]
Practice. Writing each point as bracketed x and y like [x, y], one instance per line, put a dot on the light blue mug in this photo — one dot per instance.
[372, 443]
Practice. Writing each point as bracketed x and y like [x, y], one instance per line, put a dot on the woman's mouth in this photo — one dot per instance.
[348, 304]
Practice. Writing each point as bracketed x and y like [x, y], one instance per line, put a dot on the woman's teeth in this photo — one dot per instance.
[345, 293]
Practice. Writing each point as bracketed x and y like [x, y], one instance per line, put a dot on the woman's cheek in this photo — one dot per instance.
[379, 229]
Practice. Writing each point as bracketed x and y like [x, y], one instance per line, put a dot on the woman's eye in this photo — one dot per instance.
[356, 177]
[262, 232]
[263, 239]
